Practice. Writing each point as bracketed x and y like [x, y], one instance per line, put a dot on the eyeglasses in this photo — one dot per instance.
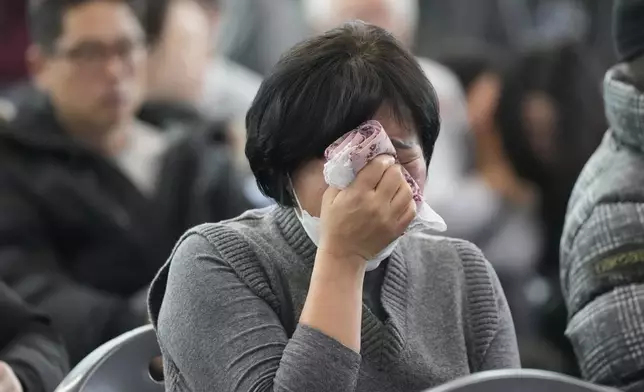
[94, 55]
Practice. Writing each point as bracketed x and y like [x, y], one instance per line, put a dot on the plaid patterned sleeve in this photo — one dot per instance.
[605, 282]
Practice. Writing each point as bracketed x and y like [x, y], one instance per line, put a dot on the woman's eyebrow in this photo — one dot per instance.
[404, 144]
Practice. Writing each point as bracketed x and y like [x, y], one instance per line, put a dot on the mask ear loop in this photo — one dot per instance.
[299, 209]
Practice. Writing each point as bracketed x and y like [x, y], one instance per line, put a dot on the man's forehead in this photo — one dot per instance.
[101, 20]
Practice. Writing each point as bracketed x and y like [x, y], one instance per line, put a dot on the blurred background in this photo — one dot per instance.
[519, 84]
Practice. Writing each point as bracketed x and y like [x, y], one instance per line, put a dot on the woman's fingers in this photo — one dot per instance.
[403, 206]
[369, 177]
[401, 199]
[408, 215]
[392, 180]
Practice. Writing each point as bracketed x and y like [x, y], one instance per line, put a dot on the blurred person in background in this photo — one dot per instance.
[400, 17]
[179, 34]
[201, 181]
[79, 234]
[534, 121]
[201, 75]
[229, 87]
[32, 357]
[506, 225]
[84, 225]
[190, 87]
[550, 120]
[255, 33]
[602, 247]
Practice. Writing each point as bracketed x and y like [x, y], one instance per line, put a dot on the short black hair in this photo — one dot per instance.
[327, 86]
[46, 18]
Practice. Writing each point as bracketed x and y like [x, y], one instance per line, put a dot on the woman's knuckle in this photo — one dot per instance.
[407, 194]
[399, 172]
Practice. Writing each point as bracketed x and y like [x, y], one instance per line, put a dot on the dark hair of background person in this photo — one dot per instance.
[323, 88]
[46, 18]
[565, 74]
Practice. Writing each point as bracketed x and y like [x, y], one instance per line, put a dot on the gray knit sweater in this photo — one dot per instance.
[226, 306]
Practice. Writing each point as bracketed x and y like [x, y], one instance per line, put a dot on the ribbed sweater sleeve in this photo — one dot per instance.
[244, 347]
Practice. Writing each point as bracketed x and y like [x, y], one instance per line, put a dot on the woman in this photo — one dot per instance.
[253, 305]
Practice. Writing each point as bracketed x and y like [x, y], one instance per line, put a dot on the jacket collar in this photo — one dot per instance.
[36, 126]
[624, 105]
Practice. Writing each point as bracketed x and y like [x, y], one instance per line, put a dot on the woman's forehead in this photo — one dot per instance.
[396, 126]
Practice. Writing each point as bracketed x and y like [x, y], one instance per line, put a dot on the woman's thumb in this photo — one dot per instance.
[329, 195]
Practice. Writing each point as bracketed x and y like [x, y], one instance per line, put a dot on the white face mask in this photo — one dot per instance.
[311, 225]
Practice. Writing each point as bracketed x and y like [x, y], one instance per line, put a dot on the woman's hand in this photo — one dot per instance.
[8, 380]
[361, 220]
[357, 223]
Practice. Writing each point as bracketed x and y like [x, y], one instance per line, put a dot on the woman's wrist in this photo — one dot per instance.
[334, 302]
[340, 261]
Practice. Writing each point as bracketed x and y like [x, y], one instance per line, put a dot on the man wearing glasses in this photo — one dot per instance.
[81, 230]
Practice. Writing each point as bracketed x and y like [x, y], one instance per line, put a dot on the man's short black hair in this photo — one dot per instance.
[46, 18]
[326, 86]
[154, 20]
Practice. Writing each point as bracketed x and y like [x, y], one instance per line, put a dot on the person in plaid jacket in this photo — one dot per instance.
[602, 249]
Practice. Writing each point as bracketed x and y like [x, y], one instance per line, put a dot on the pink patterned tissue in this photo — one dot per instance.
[349, 154]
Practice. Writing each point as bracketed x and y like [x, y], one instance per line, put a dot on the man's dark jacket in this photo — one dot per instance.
[77, 239]
[29, 345]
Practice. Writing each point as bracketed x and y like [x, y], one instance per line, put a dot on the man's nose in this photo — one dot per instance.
[116, 66]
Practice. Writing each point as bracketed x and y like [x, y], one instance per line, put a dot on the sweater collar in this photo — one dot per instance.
[624, 107]
[294, 234]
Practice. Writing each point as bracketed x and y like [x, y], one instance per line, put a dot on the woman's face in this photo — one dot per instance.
[309, 183]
